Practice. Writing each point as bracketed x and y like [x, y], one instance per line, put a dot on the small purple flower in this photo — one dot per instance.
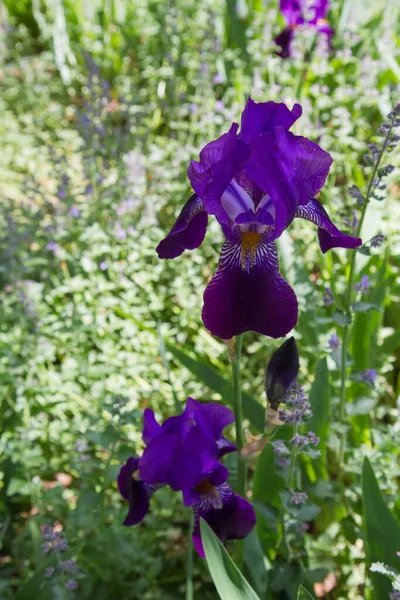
[68, 565]
[363, 285]
[219, 106]
[103, 265]
[53, 247]
[368, 376]
[74, 212]
[353, 222]
[312, 438]
[255, 183]
[302, 14]
[49, 572]
[184, 453]
[218, 78]
[334, 341]
[329, 297]
[193, 108]
[280, 448]
[298, 498]
[119, 231]
[299, 441]
[71, 585]
[377, 240]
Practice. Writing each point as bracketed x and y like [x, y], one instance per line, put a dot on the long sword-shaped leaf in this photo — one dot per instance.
[382, 531]
[253, 411]
[230, 583]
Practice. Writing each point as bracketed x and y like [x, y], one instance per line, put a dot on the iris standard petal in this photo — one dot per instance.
[292, 11]
[232, 519]
[179, 458]
[219, 162]
[290, 169]
[188, 232]
[133, 490]
[248, 293]
[260, 117]
[212, 417]
[329, 235]
[150, 426]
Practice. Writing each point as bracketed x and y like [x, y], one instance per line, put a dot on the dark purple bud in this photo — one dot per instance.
[282, 371]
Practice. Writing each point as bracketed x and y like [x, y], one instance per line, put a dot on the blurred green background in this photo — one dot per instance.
[103, 103]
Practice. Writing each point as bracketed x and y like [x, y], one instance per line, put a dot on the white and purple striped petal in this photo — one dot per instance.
[188, 232]
[329, 235]
[230, 516]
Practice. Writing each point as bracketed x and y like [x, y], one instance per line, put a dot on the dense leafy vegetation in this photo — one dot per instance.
[102, 106]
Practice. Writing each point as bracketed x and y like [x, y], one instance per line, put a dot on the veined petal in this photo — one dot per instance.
[180, 458]
[329, 235]
[188, 231]
[260, 117]
[230, 516]
[135, 491]
[219, 162]
[248, 293]
[212, 416]
[290, 169]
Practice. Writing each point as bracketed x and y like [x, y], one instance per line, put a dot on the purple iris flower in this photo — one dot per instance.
[184, 453]
[302, 13]
[255, 183]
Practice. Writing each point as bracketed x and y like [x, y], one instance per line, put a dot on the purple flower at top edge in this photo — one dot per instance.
[302, 13]
[255, 183]
[184, 453]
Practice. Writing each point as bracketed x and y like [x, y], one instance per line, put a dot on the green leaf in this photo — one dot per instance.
[362, 406]
[341, 318]
[268, 484]
[303, 594]
[230, 583]
[308, 512]
[34, 587]
[382, 531]
[253, 411]
[256, 562]
[320, 400]
[365, 307]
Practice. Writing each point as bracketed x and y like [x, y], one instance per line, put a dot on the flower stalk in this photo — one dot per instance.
[189, 562]
[235, 358]
[348, 298]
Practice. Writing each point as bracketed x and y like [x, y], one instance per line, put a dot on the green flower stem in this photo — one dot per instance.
[347, 307]
[302, 74]
[238, 408]
[283, 543]
[189, 562]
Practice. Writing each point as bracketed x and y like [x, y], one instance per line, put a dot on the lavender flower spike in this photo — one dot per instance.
[255, 183]
[184, 453]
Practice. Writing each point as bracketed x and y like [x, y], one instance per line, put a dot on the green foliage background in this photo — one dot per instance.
[102, 106]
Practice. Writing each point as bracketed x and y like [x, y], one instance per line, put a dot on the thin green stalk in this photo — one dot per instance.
[238, 409]
[347, 306]
[283, 543]
[189, 562]
[302, 75]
